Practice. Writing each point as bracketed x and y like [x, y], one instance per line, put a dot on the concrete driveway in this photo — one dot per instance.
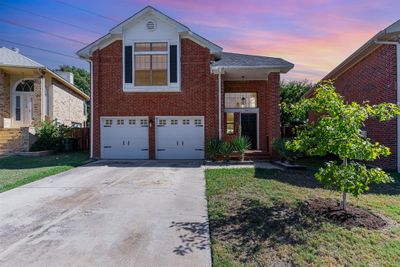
[137, 213]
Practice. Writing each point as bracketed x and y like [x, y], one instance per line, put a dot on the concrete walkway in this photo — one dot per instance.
[140, 213]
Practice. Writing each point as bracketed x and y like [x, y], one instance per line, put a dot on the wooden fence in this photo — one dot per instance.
[83, 138]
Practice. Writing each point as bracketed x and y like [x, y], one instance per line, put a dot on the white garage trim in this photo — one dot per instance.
[179, 137]
[124, 137]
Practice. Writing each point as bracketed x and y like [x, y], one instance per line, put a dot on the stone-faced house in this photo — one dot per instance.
[31, 93]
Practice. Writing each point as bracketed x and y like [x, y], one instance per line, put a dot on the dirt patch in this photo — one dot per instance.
[352, 217]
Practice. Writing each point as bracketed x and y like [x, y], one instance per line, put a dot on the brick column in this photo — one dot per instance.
[4, 97]
[273, 96]
[37, 102]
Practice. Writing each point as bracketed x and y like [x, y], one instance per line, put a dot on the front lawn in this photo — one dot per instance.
[257, 218]
[16, 170]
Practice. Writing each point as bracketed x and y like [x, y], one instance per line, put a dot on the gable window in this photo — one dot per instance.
[151, 64]
[241, 100]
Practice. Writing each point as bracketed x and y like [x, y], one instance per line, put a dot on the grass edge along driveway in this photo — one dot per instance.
[16, 171]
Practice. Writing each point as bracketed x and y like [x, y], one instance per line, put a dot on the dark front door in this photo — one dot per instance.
[249, 127]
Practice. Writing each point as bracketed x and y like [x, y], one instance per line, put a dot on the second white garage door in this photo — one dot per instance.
[180, 137]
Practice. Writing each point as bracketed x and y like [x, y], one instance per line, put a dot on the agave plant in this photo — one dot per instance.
[226, 150]
[241, 144]
[213, 148]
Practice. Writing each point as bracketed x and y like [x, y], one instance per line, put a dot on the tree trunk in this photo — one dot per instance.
[344, 194]
[344, 201]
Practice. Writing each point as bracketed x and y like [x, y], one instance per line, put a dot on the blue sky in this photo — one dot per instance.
[316, 35]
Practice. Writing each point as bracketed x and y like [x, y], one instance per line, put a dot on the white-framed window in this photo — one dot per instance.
[120, 122]
[132, 122]
[151, 63]
[185, 122]
[174, 122]
[241, 100]
[197, 122]
[162, 122]
[230, 123]
[143, 122]
[108, 122]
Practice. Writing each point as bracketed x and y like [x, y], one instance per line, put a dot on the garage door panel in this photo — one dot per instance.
[180, 137]
[124, 138]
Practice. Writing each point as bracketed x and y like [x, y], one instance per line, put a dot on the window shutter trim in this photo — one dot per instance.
[128, 64]
[173, 64]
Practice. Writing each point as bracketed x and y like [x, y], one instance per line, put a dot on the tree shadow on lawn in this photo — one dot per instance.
[305, 178]
[252, 227]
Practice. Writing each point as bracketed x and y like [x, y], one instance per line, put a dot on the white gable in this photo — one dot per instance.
[150, 28]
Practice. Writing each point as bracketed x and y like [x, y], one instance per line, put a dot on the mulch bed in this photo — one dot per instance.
[351, 217]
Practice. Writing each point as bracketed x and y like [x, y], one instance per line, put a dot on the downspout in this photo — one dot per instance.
[219, 105]
[91, 107]
[397, 44]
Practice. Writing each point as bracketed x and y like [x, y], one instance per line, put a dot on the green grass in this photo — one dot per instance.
[16, 170]
[255, 220]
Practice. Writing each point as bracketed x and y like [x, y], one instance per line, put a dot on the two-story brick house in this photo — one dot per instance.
[160, 91]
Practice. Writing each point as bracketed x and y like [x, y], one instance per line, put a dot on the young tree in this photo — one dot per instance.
[338, 131]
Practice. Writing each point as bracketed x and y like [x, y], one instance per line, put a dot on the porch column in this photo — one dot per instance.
[37, 102]
[273, 96]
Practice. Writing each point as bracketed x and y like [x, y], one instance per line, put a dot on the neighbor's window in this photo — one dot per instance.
[151, 61]
[25, 86]
[230, 123]
[240, 100]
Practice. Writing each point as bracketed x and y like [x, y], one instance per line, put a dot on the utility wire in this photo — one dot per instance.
[86, 10]
[49, 18]
[41, 49]
[38, 30]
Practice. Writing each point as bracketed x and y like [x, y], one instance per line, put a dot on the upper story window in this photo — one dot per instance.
[151, 64]
[241, 100]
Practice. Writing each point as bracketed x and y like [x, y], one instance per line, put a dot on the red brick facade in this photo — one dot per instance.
[374, 80]
[198, 96]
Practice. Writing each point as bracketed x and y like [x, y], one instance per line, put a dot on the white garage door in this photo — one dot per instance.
[124, 138]
[180, 137]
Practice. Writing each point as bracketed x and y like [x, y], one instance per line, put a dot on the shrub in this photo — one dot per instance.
[240, 145]
[279, 146]
[213, 148]
[225, 150]
[50, 136]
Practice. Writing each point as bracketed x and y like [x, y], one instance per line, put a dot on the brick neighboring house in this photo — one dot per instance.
[372, 73]
[160, 91]
[31, 93]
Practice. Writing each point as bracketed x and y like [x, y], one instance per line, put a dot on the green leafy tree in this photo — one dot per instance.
[81, 80]
[291, 93]
[338, 131]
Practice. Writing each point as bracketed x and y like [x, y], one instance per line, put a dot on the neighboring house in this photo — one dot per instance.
[31, 93]
[372, 74]
[161, 91]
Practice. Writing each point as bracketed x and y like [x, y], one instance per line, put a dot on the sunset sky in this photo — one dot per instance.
[315, 35]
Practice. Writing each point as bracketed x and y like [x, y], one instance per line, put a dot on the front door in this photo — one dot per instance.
[249, 127]
[23, 109]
